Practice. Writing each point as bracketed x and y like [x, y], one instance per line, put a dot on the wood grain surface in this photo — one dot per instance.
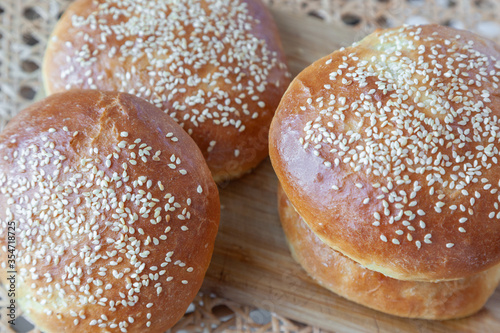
[252, 264]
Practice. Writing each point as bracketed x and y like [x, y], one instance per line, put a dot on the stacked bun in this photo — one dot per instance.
[116, 213]
[388, 151]
[216, 66]
[413, 299]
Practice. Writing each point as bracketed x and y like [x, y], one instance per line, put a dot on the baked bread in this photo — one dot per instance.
[389, 151]
[411, 299]
[216, 67]
[116, 213]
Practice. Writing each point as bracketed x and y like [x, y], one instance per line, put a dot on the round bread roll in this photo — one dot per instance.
[216, 67]
[389, 151]
[413, 299]
[115, 210]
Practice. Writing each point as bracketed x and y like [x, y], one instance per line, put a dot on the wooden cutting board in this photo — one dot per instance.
[252, 264]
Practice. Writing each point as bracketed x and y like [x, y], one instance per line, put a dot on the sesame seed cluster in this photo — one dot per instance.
[405, 125]
[112, 226]
[208, 64]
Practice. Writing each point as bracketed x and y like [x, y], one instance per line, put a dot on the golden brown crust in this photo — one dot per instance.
[336, 272]
[216, 67]
[116, 213]
[389, 150]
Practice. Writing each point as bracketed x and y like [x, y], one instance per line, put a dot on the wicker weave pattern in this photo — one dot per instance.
[480, 16]
[25, 26]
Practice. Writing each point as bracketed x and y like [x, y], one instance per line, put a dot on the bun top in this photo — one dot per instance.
[389, 151]
[116, 213]
[216, 67]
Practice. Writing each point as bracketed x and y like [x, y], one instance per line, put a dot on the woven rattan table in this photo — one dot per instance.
[26, 24]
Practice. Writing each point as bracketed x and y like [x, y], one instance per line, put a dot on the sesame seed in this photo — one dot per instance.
[95, 187]
[443, 135]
